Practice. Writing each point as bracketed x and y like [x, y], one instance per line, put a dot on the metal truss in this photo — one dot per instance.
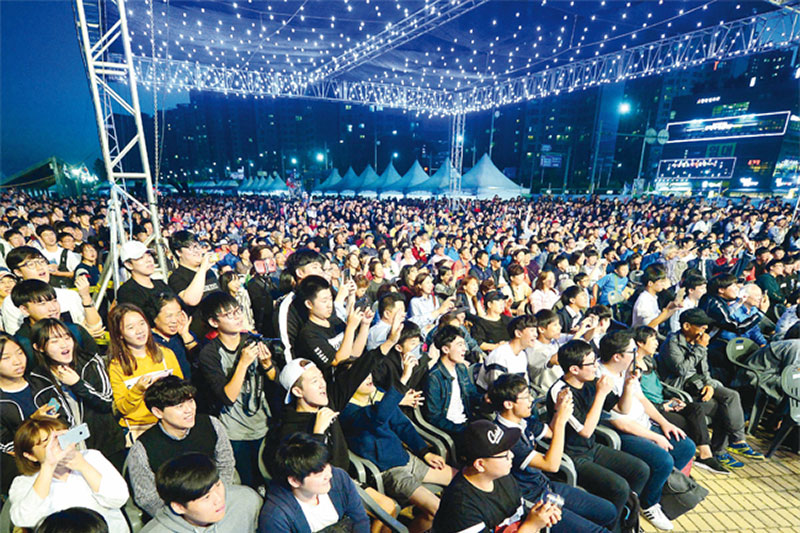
[760, 33]
[434, 14]
[457, 126]
[97, 34]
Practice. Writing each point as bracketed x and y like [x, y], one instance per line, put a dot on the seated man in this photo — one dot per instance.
[308, 494]
[389, 370]
[38, 300]
[377, 430]
[543, 367]
[180, 430]
[576, 302]
[690, 417]
[450, 395]
[603, 471]
[484, 496]
[511, 398]
[683, 363]
[389, 306]
[195, 498]
[28, 263]
[491, 330]
[644, 432]
[511, 357]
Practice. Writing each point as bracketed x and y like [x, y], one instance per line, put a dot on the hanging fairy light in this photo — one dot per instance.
[437, 56]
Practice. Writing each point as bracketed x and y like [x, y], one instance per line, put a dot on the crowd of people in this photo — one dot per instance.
[467, 351]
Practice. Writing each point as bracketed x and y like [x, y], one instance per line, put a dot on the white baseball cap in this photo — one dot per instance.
[291, 373]
[132, 250]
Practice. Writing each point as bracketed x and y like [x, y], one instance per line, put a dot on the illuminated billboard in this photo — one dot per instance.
[734, 127]
[699, 168]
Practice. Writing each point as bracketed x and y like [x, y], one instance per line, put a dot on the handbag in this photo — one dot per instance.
[681, 493]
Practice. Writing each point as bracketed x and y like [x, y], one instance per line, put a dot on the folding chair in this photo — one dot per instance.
[737, 351]
[790, 383]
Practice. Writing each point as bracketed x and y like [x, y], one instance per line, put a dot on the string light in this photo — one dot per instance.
[372, 53]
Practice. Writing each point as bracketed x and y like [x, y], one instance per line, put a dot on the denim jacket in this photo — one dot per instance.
[437, 396]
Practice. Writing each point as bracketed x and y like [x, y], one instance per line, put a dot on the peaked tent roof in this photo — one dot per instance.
[348, 179]
[371, 181]
[278, 186]
[484, 181]
[415, 175]
[332, 179]
[438, 184]
[389, 177]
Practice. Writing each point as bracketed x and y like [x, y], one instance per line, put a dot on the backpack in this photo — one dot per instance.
[59, 281]
[681, 494]
[629, 521]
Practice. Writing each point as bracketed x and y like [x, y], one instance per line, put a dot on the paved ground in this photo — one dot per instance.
[763, 497]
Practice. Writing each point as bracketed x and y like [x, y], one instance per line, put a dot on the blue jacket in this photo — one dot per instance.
[377, 432]
[282, 514]
[437, 396]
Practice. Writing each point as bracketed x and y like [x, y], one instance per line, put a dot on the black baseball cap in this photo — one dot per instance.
[483, 438]
[696, 317]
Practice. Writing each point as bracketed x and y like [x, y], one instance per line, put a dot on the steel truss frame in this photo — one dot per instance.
[97, 34]
[761, 33]
[457, 127]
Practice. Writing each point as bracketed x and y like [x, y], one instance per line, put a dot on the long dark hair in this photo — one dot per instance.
[118, 349]
[41, 333]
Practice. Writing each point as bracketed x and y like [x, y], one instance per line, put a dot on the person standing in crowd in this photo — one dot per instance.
[193, 279]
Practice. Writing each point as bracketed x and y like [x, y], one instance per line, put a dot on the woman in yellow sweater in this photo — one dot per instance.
[135, 363]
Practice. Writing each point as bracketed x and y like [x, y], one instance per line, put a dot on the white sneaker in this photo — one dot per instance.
[656, 516]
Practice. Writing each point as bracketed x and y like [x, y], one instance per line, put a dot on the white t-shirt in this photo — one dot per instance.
[321, 515]
[637, 412]
[455, 411]
[645, 310]
[73, 259]
[70, 302]
[502, 360]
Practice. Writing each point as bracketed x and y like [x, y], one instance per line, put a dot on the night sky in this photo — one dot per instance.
[45, 105]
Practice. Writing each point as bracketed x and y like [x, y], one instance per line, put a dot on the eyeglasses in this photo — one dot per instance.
[633, 352]
[233, 313]
[34, 263]
[590, 363]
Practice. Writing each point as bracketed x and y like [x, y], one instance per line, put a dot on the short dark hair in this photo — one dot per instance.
[481, 253]
[613, 343]
[74, 520]
[720, 282]
[388, 301]
[691, 282]
[20, 254]
[181, 239]
[445, 335]
[186, 478]
[45, 227]
[653, 273]
[153, 307]
[569, 293]
[410, 330]
[506, 388]
[308, 289]
[520, 323]
[572, 354]
[225, 279]
[168, 392]
[600, 311]
[642, 333]
[217, 302]
[32, 291]
[298, 456]
[545, 317]
[301, 258]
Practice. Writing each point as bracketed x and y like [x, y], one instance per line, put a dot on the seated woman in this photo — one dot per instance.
[135, 363]
[81, 385]
[54, 479]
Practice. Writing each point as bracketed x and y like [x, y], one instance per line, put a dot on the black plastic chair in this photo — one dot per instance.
[790, 383]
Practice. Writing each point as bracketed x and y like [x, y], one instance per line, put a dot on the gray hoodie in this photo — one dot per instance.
[242, 505]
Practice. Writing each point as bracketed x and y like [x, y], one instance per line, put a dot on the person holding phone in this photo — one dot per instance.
[135, 363]
[55, 478]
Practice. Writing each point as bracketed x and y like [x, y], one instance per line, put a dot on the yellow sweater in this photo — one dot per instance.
[129, 403]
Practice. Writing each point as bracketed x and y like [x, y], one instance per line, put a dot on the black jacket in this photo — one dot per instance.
[11, 415]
